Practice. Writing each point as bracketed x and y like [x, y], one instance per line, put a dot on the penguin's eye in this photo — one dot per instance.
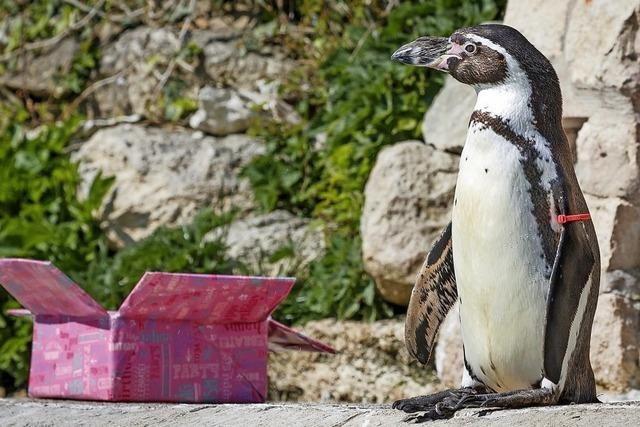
[470, 48]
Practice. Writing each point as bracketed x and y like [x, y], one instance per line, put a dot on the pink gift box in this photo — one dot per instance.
[176, 338]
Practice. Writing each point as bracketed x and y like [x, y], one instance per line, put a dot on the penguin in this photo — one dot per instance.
[520, 254]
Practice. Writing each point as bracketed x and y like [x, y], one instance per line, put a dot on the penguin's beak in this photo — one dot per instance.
[432, 52]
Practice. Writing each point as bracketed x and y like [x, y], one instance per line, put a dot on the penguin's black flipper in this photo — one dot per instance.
[433, 295]
[571, 274]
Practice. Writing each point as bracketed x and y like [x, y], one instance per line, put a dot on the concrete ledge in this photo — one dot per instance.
[24, 412]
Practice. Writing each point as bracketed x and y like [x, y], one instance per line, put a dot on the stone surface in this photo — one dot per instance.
[552, 13]
[610, 30]
[446, 121]
[163, 177]
[605, 149]
[42, 73]
[615, 343]
[131, 60]
[448, 355]
[622, 282]
[371, 365]
[30, 413]
[617, 224]
[407, 203]
[256, 241]
[222, 111]
[230, 64]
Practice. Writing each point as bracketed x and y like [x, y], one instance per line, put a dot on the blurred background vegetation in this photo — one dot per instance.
[352, 101]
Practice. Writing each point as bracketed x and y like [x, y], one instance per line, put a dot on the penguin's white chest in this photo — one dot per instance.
[500, 271]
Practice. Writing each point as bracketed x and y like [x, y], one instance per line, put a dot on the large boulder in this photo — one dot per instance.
[610, 31]
[163, 177]
[445, 123]
[606, 147]
[277, 243]
[617, 224]
[448, 354]
[615, 343]
[407, 202]
[371, 365]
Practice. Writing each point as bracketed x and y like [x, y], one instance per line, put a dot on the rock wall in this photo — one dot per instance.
[372, 365]
[163, 172]
[594, 46]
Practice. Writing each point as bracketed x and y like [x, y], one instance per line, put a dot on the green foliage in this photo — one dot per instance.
[41, 217]
[357, 102]
[180, 249]
[353, 101]
[335, 285]
[84, 62]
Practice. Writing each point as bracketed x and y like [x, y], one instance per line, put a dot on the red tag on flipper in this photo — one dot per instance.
[562, 219]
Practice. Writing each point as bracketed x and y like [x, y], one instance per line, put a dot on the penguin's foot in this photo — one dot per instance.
[443, 405]
[426, 403]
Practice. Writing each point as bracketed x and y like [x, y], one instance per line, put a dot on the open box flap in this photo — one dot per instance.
[205, 298]
[44, 290]
[283, 338]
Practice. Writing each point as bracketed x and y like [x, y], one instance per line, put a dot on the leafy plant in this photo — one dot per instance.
[178, 249]
[334, 286]
[357, 102]
[41, 217]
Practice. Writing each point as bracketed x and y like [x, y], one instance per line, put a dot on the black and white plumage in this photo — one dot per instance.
[527, 285]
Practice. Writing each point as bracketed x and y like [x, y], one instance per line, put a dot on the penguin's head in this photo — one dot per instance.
[481, 56]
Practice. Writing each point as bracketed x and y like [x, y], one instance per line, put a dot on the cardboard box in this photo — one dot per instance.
[176, 338]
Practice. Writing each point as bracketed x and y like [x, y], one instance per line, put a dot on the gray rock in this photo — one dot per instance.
[31, 413]
[135, 46]
[554, 13]
[607, 147]
[407, 204]
[229, 64]
[622, 282]
[371, 365]
[163, 177]
[222, 111]
[610, 31]
[42, 73]
[255, 240]
[449, 357]
[617, 224]
[445, 123]
[615, 343]
[135, 61]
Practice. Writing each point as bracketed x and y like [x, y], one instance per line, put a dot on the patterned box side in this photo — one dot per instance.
[71, 358]
[158, 360]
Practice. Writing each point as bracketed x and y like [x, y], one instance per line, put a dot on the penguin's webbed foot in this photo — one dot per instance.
[445, 404]
[442, 399]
